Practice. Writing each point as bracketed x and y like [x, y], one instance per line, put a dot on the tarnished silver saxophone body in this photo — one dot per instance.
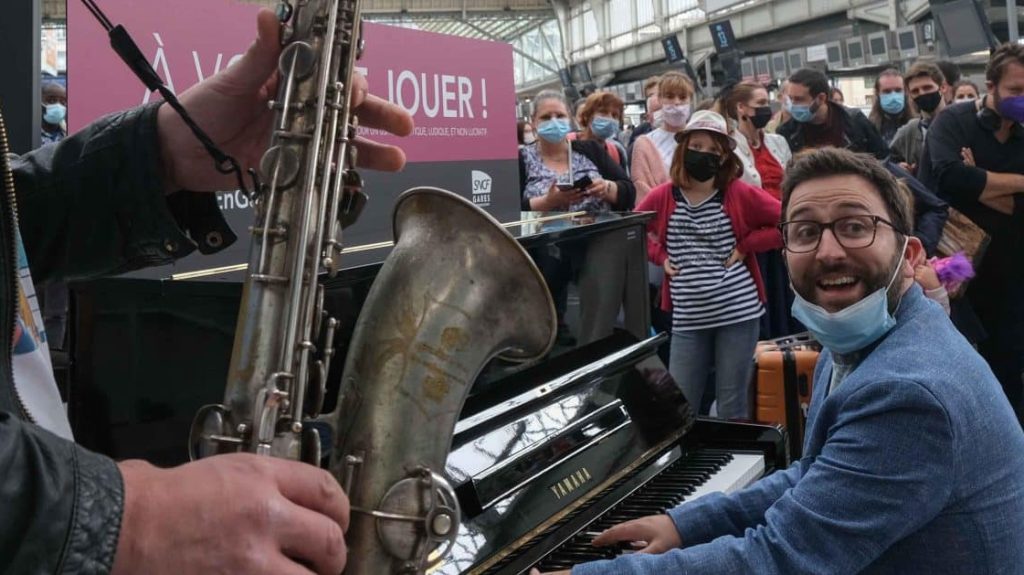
[456, 291]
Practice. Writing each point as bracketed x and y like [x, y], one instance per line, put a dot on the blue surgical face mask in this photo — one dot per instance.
[55, 113]
[893, 102]
[603, 127]
[801, 112]
[853, 327]
[554, 130]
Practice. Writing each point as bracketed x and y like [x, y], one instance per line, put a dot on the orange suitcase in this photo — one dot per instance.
[784, 371]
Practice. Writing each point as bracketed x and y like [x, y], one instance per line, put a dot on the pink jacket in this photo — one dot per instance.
[647, 169]
[754, 214]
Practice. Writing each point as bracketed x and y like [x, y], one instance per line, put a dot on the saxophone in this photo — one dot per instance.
[456, 291]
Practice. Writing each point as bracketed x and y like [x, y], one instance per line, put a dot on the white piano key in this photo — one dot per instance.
[744, 469]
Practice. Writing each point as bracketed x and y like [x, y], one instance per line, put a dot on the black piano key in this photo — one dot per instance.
[642, 510]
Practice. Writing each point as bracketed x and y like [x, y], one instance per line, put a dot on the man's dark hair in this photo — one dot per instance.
[1003, 56]
[950, 71]
[826, 162]
[925, 70]
[814, 80]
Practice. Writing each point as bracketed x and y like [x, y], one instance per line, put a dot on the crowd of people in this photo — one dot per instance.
[908, 131]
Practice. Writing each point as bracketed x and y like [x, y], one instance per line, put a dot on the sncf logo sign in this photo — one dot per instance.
[481, 188]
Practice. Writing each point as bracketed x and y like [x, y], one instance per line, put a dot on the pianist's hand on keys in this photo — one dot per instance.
[657, 532]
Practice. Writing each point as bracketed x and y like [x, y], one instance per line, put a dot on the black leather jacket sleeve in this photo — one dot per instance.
[91, 205]
[61, 503]
[94, 203]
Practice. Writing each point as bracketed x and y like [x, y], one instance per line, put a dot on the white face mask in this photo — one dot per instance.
[529, 138]
[658, 118]
[676, 115]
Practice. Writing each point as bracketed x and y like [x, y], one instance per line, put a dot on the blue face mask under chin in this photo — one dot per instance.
[853, 327]
[554, 130]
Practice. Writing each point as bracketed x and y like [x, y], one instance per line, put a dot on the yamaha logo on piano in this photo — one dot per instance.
[570, 483]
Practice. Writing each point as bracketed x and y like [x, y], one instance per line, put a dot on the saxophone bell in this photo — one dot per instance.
[456, 291]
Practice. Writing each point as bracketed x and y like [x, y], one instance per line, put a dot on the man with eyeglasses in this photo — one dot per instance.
[913, 462]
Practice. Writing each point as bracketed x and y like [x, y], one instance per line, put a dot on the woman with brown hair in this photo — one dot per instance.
[709, 225]
[764, 156]
[600, 118]
[652, 153]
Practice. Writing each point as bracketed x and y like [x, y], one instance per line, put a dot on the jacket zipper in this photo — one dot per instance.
[10, 213]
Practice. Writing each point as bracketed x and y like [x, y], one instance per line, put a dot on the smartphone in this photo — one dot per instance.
[582, 183]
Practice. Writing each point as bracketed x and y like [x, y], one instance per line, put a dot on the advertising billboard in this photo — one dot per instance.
[460, 92]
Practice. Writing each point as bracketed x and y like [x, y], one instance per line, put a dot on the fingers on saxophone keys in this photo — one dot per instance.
[375, 112]
[312, 539]
[377, 156]
[314, 489]
[280, 565]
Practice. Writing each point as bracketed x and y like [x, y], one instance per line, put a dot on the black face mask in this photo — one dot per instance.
[701, 166]
[762, 115]
[927, 103]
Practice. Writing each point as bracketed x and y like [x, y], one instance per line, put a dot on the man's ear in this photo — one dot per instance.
[914, 255]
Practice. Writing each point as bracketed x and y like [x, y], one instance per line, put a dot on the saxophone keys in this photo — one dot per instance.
[298, 61]
[332, 251]
[317, 390]
[418, 520]
[311, 450]
[353, 203]
[361, 44]
[318, 310]
[280, 166]
[209, 432]
[284, 12]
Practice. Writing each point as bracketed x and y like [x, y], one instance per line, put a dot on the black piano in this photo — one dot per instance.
[544, 455]
[566, 450]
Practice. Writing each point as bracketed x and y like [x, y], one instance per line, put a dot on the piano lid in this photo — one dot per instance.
[528, 458]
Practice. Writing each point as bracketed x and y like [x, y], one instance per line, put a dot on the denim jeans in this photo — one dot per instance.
[730, 349]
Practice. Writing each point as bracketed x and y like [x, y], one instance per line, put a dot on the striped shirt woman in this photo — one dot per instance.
[708, 227]
[705, 293]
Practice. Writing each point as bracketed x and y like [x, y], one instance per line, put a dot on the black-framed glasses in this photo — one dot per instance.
[852, 232]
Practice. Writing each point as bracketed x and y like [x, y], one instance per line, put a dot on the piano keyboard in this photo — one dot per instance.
[705, 472]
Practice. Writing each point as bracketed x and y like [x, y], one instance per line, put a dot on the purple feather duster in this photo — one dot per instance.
[953, 271]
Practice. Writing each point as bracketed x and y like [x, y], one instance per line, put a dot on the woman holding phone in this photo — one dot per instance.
[559, 175]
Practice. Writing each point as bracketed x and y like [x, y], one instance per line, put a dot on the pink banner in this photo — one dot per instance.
[460, 92]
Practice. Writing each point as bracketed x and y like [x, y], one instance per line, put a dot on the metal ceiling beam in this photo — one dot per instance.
[453, 6]
[457, 15]
[514, 48]
[878, 12]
